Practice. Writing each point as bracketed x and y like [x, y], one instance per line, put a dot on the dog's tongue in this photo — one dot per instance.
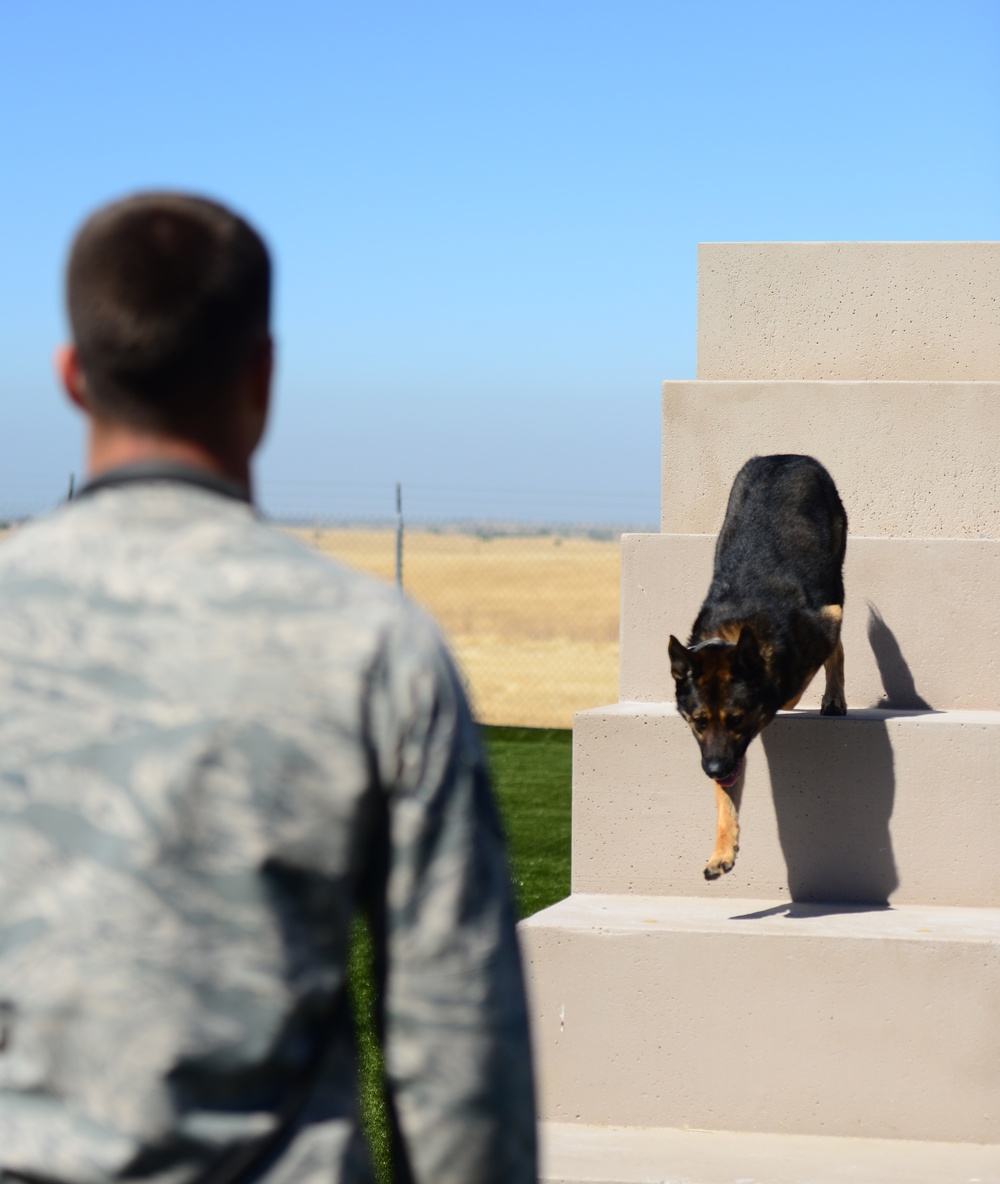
[730, 781]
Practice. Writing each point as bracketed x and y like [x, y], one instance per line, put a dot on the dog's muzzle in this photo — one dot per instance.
[729, 781]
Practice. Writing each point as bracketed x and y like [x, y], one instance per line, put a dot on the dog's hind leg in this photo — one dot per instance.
[727, 831]
[834, 699]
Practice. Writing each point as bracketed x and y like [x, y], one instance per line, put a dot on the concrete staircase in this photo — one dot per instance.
[829, 1011]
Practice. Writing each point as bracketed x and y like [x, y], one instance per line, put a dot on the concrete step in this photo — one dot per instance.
[920, 621]
[911, 459]
[849, 310]
[874, 806]
[575, 1154]
[759, 1016]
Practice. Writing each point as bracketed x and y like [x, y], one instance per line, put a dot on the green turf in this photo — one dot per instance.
[361, 987]
[531, 776]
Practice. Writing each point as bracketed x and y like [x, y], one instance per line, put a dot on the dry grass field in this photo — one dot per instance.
[532, 620]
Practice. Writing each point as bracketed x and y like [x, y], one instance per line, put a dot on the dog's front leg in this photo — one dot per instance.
[727, 830]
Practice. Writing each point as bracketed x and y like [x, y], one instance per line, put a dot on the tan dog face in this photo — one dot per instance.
[719, 693]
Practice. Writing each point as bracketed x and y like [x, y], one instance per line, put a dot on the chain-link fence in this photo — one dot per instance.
[532, 618]
[530, 610]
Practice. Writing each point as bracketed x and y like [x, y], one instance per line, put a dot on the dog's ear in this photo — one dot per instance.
[747, 660]
[680, 659]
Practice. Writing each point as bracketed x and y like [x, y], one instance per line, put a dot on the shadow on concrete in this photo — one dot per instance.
[894, 671]
[802, 911]
[833, 784]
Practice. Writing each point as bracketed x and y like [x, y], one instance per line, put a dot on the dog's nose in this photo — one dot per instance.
[715, 767]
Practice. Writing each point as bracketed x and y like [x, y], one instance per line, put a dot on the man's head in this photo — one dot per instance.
[169, 301]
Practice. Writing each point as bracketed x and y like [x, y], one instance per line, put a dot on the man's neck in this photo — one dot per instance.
[112, 446]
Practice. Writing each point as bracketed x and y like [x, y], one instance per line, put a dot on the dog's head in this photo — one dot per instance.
[720, 692]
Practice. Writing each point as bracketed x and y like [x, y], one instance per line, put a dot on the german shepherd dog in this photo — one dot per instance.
[771, 618]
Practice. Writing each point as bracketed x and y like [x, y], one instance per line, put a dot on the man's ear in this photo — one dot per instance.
[680, 659]
[748, 660]
[67, 365]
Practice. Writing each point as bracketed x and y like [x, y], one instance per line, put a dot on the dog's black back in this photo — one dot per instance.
[784, 535]
[778, 560]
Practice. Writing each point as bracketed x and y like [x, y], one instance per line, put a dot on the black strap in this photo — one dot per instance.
[163, 470]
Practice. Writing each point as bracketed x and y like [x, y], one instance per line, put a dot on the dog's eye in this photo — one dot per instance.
[700, 722]
[734, 719]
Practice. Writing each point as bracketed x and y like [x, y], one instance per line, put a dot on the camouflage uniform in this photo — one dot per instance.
[215, 744]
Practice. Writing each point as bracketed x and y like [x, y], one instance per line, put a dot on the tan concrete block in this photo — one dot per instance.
[873, 806]
[927, 310]
[911, 459]
[920, 622]
[693, 1013]
[573, 1153]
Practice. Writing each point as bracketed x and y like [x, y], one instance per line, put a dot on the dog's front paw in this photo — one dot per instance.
[720, 863]
[835, 705]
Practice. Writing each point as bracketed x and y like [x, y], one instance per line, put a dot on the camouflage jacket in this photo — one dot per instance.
[214, 746]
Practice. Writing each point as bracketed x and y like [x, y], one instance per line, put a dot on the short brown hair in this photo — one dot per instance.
[168, 295]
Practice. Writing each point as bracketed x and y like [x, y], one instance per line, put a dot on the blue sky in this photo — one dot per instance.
[484, 215]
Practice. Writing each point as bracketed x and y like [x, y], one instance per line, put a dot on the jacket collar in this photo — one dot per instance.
[164, 470]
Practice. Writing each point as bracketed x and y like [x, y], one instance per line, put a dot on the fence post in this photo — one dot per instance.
[399, 536]
[72, 487]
